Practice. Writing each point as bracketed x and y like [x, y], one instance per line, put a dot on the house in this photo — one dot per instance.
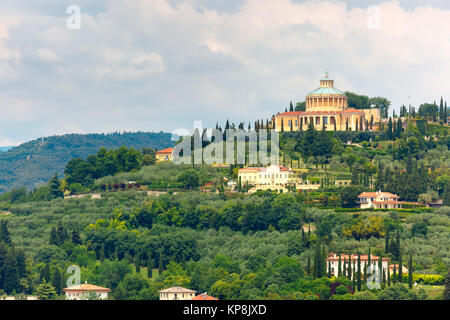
[379, 200]
[204, 296]
[273, 177]
[340, 183]
[86, 291]
[436, 204]
[391, 269]
[333, 260]
[176, 293]
[164, 155]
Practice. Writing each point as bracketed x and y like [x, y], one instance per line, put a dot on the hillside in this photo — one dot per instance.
[34, 162]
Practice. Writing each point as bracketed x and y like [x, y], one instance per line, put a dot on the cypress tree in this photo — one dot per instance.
[76, 238]
[410, 272]
[61, 233]
[138, 262]
[54, 240]
[9, 277]
[161, 263]
[149, 266]
[101, 253]
[389, 134]
[445, 113]
[349, 267]
[344, 270]
[359, 272]
[400, 269]
[365, 273]
[45, 273]
[394, 277]
[339, 266]
[56, 280]
[308, 265]
[354, 277]
[383, 275]
[388, 276]
[380, 267]
[116, 253]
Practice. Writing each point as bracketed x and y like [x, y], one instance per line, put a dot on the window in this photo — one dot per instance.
[325, 120]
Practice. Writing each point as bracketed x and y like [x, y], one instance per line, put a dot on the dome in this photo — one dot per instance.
[327, 91]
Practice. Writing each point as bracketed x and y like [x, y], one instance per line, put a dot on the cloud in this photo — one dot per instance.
[47, 56]
[161, 64]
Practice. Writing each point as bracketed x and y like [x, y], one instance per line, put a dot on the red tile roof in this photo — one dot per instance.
[86, 287]
[167, 150]
[352, 110]
[305, 113]
[364, 257]
[376, 194]
[204, 296]
[261, 169]
[177, 290]
[289, 113]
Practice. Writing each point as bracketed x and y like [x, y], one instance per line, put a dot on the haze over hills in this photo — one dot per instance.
[35, 162]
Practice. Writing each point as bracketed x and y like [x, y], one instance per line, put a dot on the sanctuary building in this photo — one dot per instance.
[327, 107]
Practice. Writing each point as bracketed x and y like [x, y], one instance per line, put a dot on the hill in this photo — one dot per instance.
[34, 162]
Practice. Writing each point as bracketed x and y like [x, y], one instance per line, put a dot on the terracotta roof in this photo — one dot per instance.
[387, 202]
[305, 113]
[354, 257]
[207, 184]
[322, 112]
[167, 150]
[261, 169]
[86, 287]
[352, 110]
[177, 290]
[204, 296]
[289, 113]
[376, 194]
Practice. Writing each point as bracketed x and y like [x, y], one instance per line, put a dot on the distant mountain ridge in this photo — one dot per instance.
[2, 149]
[35, 162]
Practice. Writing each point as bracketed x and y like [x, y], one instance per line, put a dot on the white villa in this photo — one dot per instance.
[272, 177]
[379, 200]
[86, 291]
[176, 293]
[333, 259]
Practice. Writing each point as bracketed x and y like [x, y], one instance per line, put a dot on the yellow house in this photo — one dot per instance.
[164, 155]
[327, 107]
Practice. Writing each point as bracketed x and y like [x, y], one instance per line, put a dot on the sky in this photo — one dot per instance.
[160, 65]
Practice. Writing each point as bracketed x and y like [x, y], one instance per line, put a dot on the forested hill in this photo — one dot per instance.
[35, 162]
